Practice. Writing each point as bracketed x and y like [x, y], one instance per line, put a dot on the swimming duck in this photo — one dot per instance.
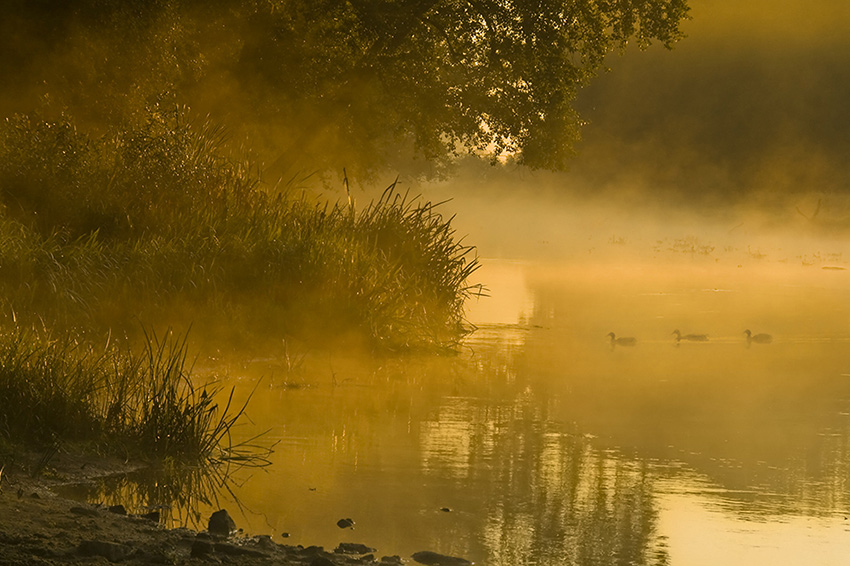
[624, 341]
[690, 337]
[758, 338]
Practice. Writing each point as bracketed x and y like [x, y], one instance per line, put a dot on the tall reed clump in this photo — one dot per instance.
[47, 390]
[156, 220]
[413, 281]
[143, 405]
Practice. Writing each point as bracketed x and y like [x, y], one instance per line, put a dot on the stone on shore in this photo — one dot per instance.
[111, 551]
[433, 559]
[353, 548]
[221, 524]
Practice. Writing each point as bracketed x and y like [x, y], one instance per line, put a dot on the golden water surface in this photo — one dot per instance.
[543, 443]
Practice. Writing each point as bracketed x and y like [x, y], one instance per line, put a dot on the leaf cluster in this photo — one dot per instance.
[362, 82]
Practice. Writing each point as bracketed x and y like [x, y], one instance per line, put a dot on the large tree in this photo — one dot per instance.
[358, 82]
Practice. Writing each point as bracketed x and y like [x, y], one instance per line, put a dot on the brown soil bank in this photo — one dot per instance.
[40, 528]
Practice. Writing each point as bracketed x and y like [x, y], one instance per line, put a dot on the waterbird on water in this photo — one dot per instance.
[758, 338]
[624, 341]
[690, 337]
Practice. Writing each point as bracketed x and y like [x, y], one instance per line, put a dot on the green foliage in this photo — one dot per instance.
[128, 183]
[419, 277]
[56, 390]
[361, 83]
[156, 219]
[45, 391]
[153, 401]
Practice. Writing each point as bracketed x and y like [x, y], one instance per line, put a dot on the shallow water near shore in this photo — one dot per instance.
[543, 443]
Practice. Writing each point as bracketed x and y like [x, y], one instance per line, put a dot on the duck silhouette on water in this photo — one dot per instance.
[758, 338]
[690, 337]
[624, 341]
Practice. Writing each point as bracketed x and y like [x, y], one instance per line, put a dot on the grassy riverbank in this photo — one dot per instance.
[144, 405]
[159, 224]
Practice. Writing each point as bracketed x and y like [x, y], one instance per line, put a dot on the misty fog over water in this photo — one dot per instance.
[750, 107]
[547, 444]
[709, 195]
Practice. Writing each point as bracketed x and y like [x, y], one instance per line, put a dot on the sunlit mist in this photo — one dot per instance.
[621, 337]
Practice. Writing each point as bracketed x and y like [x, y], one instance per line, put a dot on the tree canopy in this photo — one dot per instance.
[360, 82]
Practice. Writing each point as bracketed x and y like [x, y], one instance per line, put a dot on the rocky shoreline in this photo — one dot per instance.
[40, 528]
[44, 530]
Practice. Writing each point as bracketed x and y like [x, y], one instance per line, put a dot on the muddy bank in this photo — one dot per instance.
[40, 527]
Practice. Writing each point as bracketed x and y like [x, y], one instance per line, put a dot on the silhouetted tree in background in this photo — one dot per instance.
[366, 83]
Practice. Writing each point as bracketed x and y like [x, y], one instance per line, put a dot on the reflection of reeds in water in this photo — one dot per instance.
[176, 493]
[588, 502]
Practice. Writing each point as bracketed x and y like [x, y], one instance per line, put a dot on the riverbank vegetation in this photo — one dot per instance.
[135, 216]
[156, 223]
[140, 405]
[80, 415]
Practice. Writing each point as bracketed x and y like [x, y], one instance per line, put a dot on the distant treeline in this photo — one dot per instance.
[725, 118]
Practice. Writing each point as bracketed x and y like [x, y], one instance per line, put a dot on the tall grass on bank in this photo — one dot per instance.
[157, 222]
[146, 405]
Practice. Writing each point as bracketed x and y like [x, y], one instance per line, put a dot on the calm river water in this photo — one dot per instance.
[549, 446]
[541, 443]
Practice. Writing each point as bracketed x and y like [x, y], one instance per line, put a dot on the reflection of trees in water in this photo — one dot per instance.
[586, 508]
[550, 498]
[492, 436]
[771, 427]
[524, 485]
[810, 475]
[775, 450]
